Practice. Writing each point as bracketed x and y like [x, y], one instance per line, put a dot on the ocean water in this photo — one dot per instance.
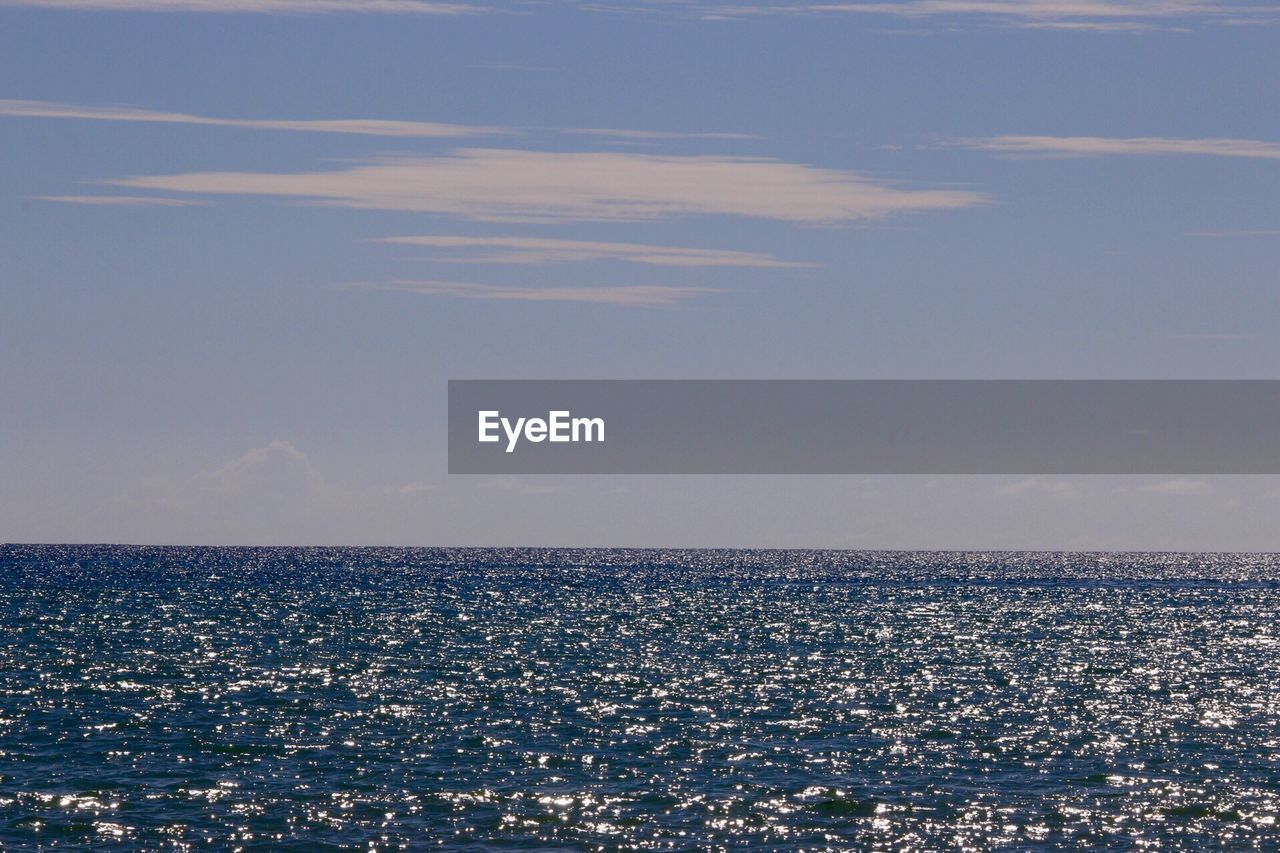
[175, 698]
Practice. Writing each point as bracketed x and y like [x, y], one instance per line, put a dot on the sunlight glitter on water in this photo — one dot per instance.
[174, 698]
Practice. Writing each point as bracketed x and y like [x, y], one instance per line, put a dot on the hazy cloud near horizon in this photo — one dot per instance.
[274, 493]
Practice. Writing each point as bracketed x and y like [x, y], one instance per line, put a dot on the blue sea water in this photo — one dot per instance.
[220, 698]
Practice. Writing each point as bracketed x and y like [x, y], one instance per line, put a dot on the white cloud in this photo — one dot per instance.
[541, 186]
[276, 468]
[1099, 146]
[120, 200]
[295, 7]
[1178, 486]
[362, 127]
[627, 296]
[540, 250]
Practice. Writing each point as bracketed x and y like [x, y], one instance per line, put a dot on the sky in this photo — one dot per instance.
[245, 243]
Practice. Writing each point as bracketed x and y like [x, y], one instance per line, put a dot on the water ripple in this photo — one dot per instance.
[158, 698]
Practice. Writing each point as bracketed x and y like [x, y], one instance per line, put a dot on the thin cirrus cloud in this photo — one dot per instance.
[1095, 15]
[542, 250]
[362, 127]
[539, 186]
[1248, 232]
[293, 7]
[653, 135]
[625, 296]
[120, 200]
[17, 108]
[1102, 146]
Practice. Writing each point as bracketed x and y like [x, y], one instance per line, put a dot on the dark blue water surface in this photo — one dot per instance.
[156, 698]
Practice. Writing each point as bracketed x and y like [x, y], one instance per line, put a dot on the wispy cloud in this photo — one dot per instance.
[652, 135]
[540, 186]
[1090, 15]
[517, 67]
[1214, 337]
[1255, 232]
[120, 200]
[1179, 487]
[627, 296]
[541, 250]
[1061, 488]
[1102, 146]
[295, 7]
[519, 485]
[362, 127]
[18, 108]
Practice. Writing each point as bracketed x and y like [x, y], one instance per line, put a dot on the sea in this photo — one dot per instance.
[515, 699]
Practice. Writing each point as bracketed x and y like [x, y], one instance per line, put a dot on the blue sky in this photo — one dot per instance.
[242, 251]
